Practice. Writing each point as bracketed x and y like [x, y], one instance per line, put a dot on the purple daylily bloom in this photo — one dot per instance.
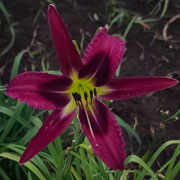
[81, 87]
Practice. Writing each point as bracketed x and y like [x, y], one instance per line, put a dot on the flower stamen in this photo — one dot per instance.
[91, 95]
[95, 92]
[89, 123]
[86, 98]
[77, 98]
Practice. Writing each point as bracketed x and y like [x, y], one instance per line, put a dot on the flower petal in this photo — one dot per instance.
[118, 89]
[105, 135]
[102, 57]
[69, 58]
[53, 126]
[40, 90]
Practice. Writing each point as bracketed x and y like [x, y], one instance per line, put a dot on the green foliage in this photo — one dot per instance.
[119, 16]
[130, 130]
[16, 63]
[161, 4]
[11, 30]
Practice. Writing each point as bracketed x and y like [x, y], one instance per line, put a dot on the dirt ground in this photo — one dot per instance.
[150, 51]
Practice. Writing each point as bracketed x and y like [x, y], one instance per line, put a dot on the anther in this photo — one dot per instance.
[95, 92]
[85, 96]
[77, 98]
[91, 94]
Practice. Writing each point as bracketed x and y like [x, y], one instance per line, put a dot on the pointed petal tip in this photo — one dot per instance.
[125, 88]
[53, 126]
[168, 82]
[51, 10]
[173, 81]
[21, 161]
[51, 7]
[25, 157]
[69, 58]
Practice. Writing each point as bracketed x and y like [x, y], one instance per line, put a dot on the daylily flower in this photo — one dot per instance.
[84, 83]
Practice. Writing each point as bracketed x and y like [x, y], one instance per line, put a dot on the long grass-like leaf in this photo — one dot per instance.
[75, 173]
[28, 136]
[11, 121]
[124, 175]
[155, 156]
[42, 167]
[116, 19]
[16, 63]
[36, 161]
[29, 176]
[136, 159]
[129, 26]
[164, 8]
[11, 29]
[175, 170]
[168, 174]
[129, 129]
[29, 165]
[54, 72]
[102, 169]
[76, 46]
[173, 117]
[163, 167]
[118, 175]
[10, 113]
[4, 175]
[85, 168]
[86, 165]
